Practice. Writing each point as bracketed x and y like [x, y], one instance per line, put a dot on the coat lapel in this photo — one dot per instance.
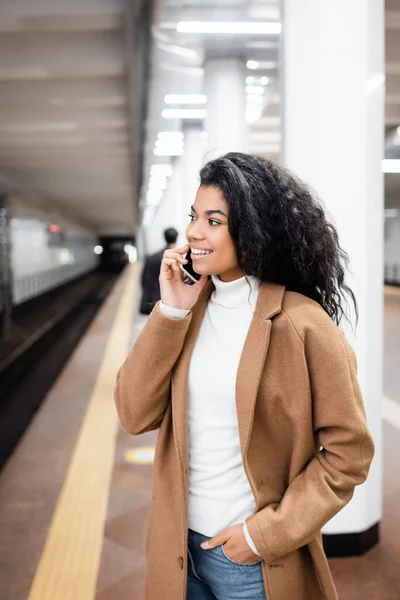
[252, 361]
[249, 373]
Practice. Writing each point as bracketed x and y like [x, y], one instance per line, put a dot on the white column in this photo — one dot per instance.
[192, 161]
[180, 193]
[333, 139]
[169, 212]
[225, 124]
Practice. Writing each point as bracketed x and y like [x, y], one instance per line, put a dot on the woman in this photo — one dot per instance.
[253, 386]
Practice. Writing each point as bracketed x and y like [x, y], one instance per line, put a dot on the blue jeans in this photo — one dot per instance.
[214, 576]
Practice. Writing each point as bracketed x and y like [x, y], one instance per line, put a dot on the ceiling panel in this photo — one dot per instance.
[64, 107]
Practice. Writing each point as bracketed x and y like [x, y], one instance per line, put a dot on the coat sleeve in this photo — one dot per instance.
[345, 452]
[142, 390]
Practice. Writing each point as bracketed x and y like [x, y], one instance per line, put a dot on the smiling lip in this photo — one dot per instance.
[198, 256]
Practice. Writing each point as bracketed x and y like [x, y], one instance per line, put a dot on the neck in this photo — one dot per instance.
[231, 275]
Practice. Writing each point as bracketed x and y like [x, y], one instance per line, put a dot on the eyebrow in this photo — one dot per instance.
[211, 212]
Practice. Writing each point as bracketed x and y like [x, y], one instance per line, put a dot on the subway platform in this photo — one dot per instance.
[74, 495]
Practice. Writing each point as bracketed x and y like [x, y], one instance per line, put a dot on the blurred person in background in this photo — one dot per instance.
[151, 273]
[263, 435]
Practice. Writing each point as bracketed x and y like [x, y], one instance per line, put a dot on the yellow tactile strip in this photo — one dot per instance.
[69, 564]
[392, 290]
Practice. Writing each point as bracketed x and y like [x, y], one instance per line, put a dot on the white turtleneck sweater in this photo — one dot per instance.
[219, 491]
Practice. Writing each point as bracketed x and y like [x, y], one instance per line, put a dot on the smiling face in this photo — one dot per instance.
[213, 251]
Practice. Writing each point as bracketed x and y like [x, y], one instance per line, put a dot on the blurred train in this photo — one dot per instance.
[45, 255]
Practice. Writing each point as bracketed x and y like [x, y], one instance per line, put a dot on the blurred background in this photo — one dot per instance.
[108, 109]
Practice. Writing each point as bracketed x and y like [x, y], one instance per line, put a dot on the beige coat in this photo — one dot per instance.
[303, 437]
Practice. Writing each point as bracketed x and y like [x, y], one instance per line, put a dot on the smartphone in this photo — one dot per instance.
[191, 275]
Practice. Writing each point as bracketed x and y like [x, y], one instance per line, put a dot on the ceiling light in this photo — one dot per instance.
[168, 152]
[170, 135]
[254, 107]
[153, 201]
[256, 90]
[148, 215]
[391, 165]
[254, 100]
[155, 186]
[236, 27]
[261, 64]
[156, 189]
[169, 144]
[253, 113]
[262, 44]
[184, 113]
[161, 169]
[185, 99]
[252, 64]
[149, 210]
[154, 195]
[264, 80]
[251, 80]
[157, 179]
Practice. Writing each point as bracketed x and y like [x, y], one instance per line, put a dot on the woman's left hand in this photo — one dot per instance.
[235, 545]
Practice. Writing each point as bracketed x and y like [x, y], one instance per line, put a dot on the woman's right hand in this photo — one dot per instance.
[174, 292]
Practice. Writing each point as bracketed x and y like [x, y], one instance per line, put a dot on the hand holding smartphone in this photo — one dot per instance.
[175, 274]
[191, 276]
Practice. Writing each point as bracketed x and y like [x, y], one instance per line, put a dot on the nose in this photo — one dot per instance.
[195, 231]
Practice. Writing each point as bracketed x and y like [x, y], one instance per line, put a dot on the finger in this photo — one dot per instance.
[215, 541]
[182, 250]
[167, 266]
[178, 257]
[169, 261]
[178, 251]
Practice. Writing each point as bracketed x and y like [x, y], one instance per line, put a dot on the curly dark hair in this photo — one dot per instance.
[280, 230]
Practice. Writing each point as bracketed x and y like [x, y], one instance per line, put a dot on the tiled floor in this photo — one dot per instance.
[391, 374]
[31, 484]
